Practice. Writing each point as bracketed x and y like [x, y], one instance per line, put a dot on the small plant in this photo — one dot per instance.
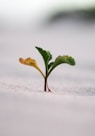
[49, 65]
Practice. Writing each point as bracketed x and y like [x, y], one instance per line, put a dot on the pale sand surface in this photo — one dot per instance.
[28, 111]
[25, 110]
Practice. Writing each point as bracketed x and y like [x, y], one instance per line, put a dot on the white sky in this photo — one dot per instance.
[19, 9]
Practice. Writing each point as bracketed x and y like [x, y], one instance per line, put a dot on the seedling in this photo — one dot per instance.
[49, 65]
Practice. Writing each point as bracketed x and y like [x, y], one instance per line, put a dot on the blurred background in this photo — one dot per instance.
[64, 27]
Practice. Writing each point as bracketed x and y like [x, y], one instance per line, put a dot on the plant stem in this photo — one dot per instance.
[45, 84]
[45, 80]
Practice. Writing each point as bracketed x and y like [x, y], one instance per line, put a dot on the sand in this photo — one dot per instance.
[26, 110]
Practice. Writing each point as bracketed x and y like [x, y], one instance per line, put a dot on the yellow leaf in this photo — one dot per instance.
[31, 62]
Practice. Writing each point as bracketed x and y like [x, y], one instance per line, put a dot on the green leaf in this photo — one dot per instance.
[46, 55]
[60, 60]
[50, 65]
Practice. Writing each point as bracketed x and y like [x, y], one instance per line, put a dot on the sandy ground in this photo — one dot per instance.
[48, 114]
[27, 110]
